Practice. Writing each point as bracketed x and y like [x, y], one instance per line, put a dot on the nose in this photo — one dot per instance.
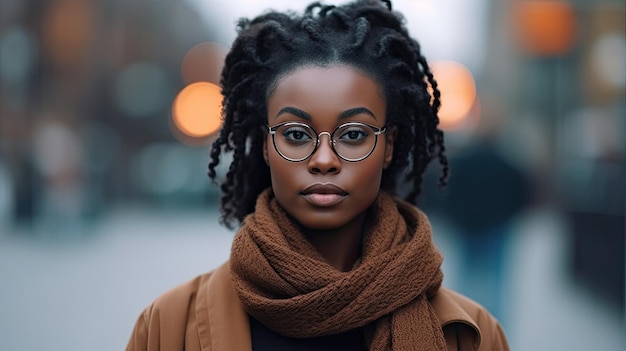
[324, 160]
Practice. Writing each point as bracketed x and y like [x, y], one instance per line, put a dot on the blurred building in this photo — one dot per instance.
[86, 92]
[573, 86]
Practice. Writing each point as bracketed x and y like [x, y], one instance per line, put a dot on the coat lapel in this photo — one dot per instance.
[223, 324]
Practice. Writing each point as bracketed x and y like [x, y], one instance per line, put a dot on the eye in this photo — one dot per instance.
[352, 134]
[296, 134]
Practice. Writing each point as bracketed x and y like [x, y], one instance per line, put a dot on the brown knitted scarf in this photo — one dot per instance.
[287, 285]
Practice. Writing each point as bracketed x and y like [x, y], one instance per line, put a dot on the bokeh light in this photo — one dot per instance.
[68, 31]
[161, 168]
[545, 27]
[197, 110]
[17, 55]
[142, 89]
[609, 59]
[56, 149]
[458, 93]
[203, 63]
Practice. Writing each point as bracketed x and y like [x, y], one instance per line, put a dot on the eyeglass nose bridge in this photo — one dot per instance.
[330, 138]
[319, 141]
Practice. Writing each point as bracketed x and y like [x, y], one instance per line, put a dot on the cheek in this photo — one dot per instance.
[370, 180]
[375, 171]
[375, 164]
[366, 177]
[282, 174]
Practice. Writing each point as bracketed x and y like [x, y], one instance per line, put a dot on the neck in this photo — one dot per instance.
[340, 247]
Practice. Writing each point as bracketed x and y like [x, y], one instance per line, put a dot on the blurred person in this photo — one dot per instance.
[59, 160]
[485, 193]
[323, 111]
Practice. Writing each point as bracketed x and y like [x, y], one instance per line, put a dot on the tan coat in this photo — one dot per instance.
[205, 314]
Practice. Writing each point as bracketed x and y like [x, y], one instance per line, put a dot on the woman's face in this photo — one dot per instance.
[325, 192]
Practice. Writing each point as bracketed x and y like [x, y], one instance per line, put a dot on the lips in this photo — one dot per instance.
[324, 195]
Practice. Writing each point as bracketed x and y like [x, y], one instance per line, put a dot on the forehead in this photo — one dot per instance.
[326, 74]
[326, 90]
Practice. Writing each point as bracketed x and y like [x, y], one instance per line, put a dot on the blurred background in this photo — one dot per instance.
[107, 110]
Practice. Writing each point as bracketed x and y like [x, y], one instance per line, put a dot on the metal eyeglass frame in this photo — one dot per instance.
[377, 132]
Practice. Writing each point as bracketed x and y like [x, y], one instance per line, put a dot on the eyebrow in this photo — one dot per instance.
[294, 111]
[345, 114]
[356, 111]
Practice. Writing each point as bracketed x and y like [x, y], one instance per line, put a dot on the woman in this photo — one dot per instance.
[323, 112]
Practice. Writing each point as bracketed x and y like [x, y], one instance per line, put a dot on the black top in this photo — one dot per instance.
[265, 339]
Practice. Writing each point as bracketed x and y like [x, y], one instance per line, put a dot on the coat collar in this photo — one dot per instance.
[454, 309]
[218, 302]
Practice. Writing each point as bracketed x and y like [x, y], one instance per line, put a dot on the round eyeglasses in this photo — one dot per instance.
[352, 141]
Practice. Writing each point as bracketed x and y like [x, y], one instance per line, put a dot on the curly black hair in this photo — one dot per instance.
[366, 35]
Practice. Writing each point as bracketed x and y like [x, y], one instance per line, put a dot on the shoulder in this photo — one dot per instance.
[165, 320]
[173, 300]
[467, 324]
[202, 314]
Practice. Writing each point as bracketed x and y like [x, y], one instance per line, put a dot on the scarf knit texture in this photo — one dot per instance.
[285, 283]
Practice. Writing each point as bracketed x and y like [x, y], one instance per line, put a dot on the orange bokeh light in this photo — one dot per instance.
[67, 31]
[545, 27]
[197, 109]
[458, 92]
